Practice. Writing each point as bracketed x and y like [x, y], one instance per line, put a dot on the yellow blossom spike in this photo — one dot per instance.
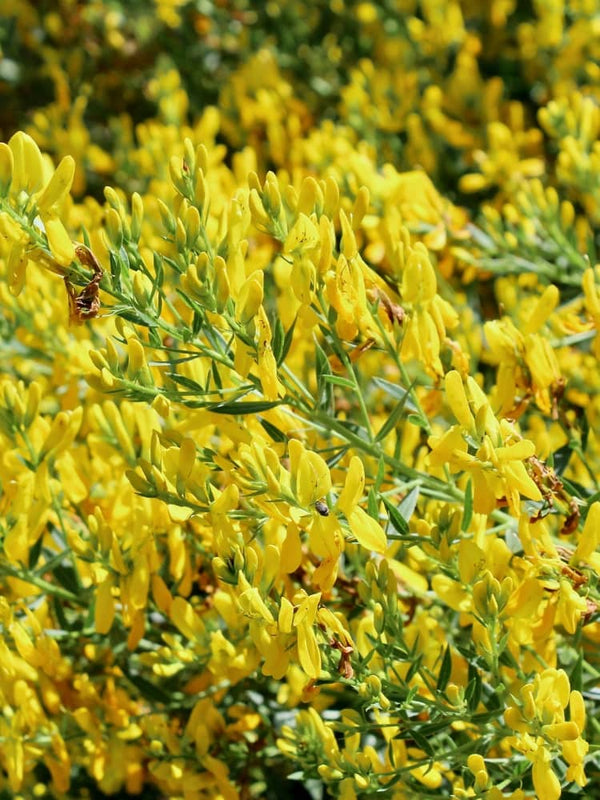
[187, 458]
[360, 208]
[327, 243]
[308, 651]
[286, 616]
[545, 782]
[222, 284]
[367, 531]
[353, 487]
[309, 196]
[136, 356]
[562, 731]
[6, 168]
[457, 400]
[577, 709]
[58, 186]
[186, 619]
[332, 197]
[590, 535]
[254, 606]
[137, 216]
[114, 227]
[307, 610]
[267, 372]
[104, 609]
[419, 283]
[249, 299]
[16, 268]
[291, 549]
[59, 241]
[61, 434]
[303, 236]
[34, 395]
[260, 218]
[591, 292]
[313, 480]
[28, 169]
[518, 477]
[542, 310]
[516, 452]
[348, 245]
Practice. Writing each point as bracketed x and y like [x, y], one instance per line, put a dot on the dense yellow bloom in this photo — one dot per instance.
[312, 486]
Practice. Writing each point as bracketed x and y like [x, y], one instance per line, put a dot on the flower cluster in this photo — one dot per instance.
[299, 414]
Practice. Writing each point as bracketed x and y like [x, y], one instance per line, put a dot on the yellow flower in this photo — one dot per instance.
[538, 716]
[367, 531]
[491, 452]
[310, 475]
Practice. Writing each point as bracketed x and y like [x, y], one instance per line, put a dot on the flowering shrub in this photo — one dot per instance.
[299, 415]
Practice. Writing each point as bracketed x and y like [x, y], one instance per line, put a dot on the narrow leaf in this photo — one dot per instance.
[244, 407]
[468, 509]
[395, 517]
[473, 690]
[273, 431]
[393, 418]
[372, 507]
[445, 671]
[409, 503]
[287, 343]
[337, 380]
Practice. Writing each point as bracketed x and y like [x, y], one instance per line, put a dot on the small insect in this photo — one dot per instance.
[322, 508]
[84, 304]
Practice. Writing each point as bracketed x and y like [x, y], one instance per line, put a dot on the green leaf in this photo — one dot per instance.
[244, 407]
[159, 273]
[135, 316]
[445, 670]
[197, 322]
[372, 507]
[277, 340]
[585, 432]
[576, 677]
[337, 380]
[380, 475]
[86, 237]
[324, 389]
[190, 384]
[287, 342]
[419, 421]
[561, 458]
[190, 302]
[273, 431]
[322, 365]
[59, 613]
[397, 392]
[468, 508]
[422, 741]
[473, 690]
[395, 517]
[409, 503]
[116, 270]
[334, 460]
[393, 418]
[174, 265]
[66, 577]
[216, 376]
[34, 552]
[147, 689]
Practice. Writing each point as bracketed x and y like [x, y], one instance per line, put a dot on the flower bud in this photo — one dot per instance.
[137, 216]
[114, 228]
